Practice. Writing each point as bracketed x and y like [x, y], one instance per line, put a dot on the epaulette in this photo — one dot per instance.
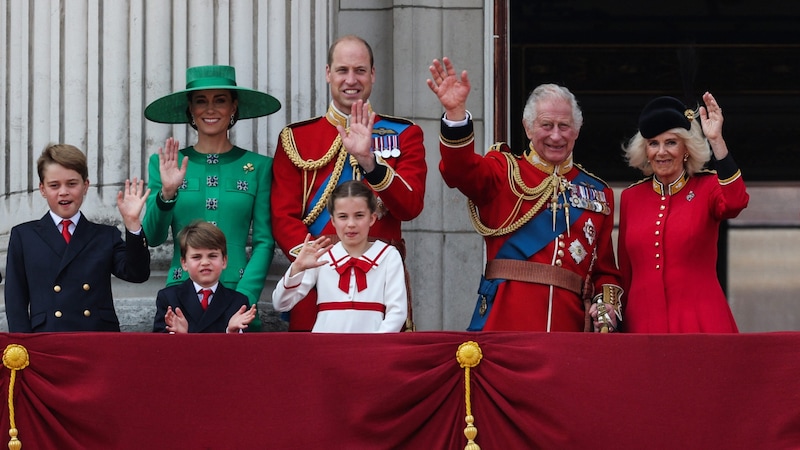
[500, 147]
[396, 119]
[599, 180]
[304, 122]
[649, 178]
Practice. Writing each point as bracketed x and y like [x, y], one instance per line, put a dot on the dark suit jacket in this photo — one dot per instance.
[68, 287]
[224, 305]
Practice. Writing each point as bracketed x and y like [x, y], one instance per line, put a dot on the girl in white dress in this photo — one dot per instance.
[360, 284]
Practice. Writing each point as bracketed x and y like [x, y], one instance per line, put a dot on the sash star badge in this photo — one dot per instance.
[589, 231]
[577, 251]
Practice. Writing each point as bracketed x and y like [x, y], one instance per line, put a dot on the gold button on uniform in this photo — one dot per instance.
[58, 314]
[56, 288]
[87, 313]
[86, 287]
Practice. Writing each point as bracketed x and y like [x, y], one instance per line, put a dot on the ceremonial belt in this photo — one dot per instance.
[521, 245]
[534, 272]
[360, 306]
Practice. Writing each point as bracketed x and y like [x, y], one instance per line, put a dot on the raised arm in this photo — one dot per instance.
[357, 140]
[130, 203]
[451, 90]
[711, 121]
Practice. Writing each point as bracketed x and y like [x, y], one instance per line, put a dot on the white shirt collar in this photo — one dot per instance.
[57, 219]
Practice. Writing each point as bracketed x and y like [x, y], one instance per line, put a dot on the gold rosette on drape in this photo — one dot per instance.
[15, 357]
[468, 356]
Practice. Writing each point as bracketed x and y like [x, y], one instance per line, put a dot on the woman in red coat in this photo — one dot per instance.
[669, 222]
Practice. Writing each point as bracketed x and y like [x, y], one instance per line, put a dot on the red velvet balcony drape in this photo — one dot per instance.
[405, 391]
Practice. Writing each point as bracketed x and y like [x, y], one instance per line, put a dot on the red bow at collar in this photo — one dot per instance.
[360, 267]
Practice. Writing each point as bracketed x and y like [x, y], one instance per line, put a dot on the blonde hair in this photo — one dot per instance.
[635, 150]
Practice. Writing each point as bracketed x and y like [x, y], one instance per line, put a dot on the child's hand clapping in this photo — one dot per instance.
[241, 319]
[309, 255]
[176, 321]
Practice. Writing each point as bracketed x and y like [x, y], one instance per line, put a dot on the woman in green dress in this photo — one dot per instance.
[213, 180]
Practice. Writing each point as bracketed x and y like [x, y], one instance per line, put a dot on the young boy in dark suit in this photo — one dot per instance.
[58, 274]
[202, 304]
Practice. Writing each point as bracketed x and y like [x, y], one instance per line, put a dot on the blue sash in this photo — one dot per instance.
[524, 243]
[316, 227]
[381, 131]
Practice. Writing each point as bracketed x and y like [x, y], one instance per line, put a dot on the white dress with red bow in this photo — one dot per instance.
[354, 295]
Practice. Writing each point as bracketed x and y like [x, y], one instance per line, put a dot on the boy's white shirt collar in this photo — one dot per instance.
[57, 219]
[198, 288]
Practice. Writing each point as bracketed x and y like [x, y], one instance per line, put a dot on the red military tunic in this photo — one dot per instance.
[668, 251]
[398, 181]
[489, 183]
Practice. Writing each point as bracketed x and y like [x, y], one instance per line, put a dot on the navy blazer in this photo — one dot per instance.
[52, 286]
[224, 304]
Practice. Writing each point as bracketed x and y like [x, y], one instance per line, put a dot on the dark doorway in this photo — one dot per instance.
[615, 56]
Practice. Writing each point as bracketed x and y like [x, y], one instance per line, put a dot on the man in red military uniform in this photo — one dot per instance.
[349, 142]
[546, 222]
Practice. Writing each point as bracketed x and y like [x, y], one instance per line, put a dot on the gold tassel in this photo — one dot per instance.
[469, 355]
[15, 357]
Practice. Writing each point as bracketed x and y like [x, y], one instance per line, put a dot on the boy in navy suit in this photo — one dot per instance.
[58, 273]
[202, 304]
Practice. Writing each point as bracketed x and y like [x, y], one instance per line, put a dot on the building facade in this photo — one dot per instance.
[82, 72]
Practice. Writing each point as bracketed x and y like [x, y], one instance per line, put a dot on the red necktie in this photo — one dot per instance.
[206, 294]
[361, 268]
[65, 230]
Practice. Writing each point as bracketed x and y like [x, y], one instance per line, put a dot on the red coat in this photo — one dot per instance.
[402, 197]
[668, 255]
[522, 305]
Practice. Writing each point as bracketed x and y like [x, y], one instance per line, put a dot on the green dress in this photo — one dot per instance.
[232, 191]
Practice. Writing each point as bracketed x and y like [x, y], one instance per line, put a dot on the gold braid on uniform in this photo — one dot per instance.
[287, 139]
[541, 193]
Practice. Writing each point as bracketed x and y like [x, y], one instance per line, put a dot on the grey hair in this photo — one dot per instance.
[551, 92]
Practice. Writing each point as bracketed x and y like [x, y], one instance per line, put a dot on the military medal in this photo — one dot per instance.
[590, 199]
[386, 150]
[395, 146]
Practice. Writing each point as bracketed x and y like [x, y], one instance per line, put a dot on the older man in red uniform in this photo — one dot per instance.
[349, 142]
[547, 222]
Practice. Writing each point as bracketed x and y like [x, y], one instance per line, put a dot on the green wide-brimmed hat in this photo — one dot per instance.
[172, 108]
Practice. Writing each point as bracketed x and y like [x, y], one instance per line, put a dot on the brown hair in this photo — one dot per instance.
[353, 188]
[202, 234]
[65, 155]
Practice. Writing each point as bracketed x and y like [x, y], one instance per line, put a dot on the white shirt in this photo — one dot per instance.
[386, 284]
